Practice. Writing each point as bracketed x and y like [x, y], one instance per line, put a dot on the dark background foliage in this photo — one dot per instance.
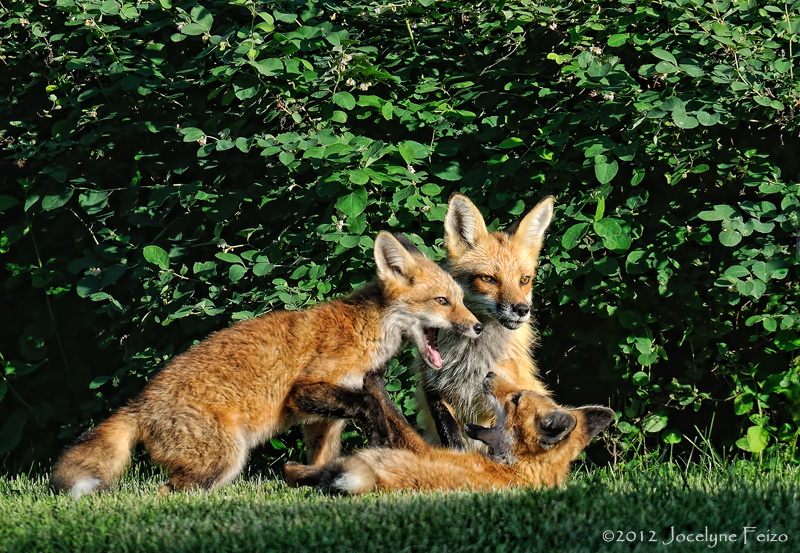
[170, 168]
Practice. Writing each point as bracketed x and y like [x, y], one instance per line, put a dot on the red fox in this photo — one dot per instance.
[496, 272]
[204, 412]
[532, 444]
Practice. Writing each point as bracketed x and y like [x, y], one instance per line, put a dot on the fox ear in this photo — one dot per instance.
[555, 427]
[529, 231]
[393, 259]
[595, 419]
[464, 226]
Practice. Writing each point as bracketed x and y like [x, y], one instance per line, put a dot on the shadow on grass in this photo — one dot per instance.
[656, 510]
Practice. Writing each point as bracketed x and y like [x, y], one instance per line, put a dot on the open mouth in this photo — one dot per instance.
[432, 355]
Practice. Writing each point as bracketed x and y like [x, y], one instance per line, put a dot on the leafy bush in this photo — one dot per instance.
[173, 167]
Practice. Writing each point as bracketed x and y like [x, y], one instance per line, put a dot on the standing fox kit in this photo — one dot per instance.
[496, 271]
[204, 412]
[533, 443]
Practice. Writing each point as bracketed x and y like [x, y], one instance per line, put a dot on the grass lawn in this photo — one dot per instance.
[659, 507]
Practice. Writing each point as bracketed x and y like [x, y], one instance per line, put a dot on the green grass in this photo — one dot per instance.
[261, 514]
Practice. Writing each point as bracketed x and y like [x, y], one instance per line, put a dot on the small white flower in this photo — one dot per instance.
[95, 270]
[608, 96]
[202, 141]
[377, 10]
[350, 82]
[596, 50]
[411, 170]
[552, 26]
[363, 86]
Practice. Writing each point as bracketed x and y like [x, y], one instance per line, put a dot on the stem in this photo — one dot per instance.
[49, 305]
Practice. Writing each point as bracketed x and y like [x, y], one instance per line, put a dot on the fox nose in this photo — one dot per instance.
[522, 309]
[478, 328]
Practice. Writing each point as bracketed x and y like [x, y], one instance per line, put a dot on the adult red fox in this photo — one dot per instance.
[204, 412]
[532, 444]
[496, 271]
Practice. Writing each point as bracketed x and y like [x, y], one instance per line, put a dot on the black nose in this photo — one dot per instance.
[478, 328]
[522, 309]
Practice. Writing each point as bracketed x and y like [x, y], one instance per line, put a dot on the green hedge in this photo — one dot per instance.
[172, 167]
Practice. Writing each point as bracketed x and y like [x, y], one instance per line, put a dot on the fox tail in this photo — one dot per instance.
[99, 457]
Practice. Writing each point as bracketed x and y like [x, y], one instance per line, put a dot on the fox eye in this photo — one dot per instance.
[525, 280]
[515, 399]
[441, 301]
[487, 279]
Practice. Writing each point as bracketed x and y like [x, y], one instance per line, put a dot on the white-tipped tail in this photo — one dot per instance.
[84, 486]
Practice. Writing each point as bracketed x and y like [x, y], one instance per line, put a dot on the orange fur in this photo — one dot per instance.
[533, 444]
[496, 271]
[204, 412]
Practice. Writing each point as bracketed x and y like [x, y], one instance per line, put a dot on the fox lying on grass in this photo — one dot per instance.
[496, 271]
[532, 444]
[204, 412]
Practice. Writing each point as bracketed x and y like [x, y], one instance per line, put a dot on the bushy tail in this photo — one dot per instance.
[99, 457]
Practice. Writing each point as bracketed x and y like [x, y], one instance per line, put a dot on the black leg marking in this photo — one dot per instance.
[335, 402]
[446, 426]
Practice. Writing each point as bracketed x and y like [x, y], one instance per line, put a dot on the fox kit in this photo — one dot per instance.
[204, 412]
[496, 272]
[533, 443]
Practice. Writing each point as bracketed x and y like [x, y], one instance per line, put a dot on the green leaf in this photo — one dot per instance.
[359, 176]
[7, 202]
[664, 55]
[573, 235]
[683, 120]
[720, 212]
[707, 119]
[655, 423]
[411, 150]
[615, 238]
[755, 441]
[261, 269]
[617, 39]
[730, 238]
[229, 257]
[269, 67]
[641, 378]
[236, 272]
[606, 171]
[11, 434]
[672, 437]
[344, 100]
[511, 142]
[157, 256]
[354, 203]
[192, 134]
[449, 171]
[54, 201]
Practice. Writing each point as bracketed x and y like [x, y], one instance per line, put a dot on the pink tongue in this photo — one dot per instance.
[435, 357]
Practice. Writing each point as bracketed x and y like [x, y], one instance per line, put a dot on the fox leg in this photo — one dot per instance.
[202, 455]
[323, 440]
[446, 426]
[334, 402]
[401, 434]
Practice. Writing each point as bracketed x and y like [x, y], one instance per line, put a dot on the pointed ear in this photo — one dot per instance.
[555, 427]
[528, 233]
[393, 259]
[464, 226]
[595, 419]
